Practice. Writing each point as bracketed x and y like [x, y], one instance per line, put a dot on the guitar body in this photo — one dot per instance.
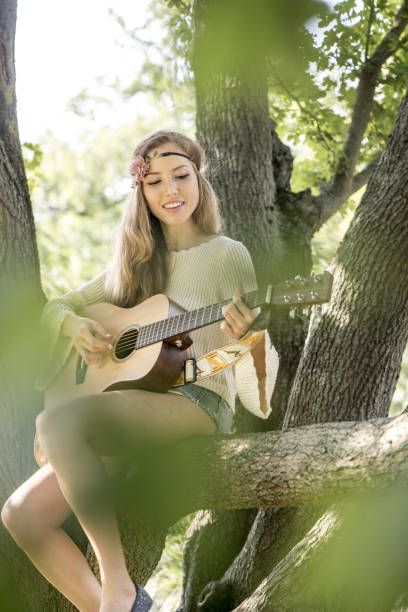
[155, 367]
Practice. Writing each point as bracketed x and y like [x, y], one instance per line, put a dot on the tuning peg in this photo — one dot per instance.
[300, 297]
[286, 299]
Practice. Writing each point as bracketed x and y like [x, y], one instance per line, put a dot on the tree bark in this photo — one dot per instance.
[314, 465]
[359, 321]
[274, 592]
[366, 321]
[21, 301]
[362, 315]
[232, 116]
[305, 465]
[201, 565]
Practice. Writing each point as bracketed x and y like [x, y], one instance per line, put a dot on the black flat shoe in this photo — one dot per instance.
[143, 601]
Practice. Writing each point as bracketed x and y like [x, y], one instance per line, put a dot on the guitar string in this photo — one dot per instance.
[155, 326]
[151, 333]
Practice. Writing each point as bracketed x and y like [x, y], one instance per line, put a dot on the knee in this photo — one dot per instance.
[16, 519]
[45, 422]
[57, 427]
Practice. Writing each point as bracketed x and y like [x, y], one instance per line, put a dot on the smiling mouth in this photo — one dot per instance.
[173, 205]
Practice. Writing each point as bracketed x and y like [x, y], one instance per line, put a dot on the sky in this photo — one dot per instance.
[61, 48]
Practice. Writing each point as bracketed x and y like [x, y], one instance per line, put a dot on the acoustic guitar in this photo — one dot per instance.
[150, 339]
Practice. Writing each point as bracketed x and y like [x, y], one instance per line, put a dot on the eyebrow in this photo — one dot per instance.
[172, 170]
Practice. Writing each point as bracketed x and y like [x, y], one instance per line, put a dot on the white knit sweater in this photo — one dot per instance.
[205, 274]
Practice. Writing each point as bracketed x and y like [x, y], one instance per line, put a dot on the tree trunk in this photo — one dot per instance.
[354, 350]
[232, 116]
[251, 171]
[366, 322]
[310, 465]
[20, 305]
[361, 316]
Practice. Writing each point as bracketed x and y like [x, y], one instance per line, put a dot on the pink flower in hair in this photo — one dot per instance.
[138, 169]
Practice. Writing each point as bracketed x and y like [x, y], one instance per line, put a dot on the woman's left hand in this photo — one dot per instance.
[237, 316]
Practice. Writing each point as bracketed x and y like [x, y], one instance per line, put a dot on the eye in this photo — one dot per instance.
[180, 176]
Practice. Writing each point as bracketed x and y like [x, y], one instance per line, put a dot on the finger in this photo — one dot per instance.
[245, 312]
[239, 290]
[234, 317]
[91, 358]
[91, 343]
[227, 329]
[97, 328]
[233, 329]
[240, 305]
[83, 352]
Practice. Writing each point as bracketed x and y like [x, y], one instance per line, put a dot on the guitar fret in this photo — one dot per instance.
[152, 332]
[283, 294]
[188, 321]
[139, 338]
[160, 328]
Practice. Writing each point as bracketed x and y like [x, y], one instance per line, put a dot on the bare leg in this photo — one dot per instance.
[124, 416]
[33, 515]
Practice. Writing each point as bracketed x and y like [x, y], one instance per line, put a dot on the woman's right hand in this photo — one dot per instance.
[88, 336]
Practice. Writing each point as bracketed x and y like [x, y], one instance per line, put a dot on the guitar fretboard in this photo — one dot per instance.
[189, 321]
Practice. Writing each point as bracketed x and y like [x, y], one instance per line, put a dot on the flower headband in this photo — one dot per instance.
[138, 167]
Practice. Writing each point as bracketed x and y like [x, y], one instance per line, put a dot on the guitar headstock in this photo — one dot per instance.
[300, 291]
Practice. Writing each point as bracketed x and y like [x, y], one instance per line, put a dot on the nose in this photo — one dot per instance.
[171, 185]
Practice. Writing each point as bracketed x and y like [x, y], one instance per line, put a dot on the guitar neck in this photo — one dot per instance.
[290, 293]
[195, 319]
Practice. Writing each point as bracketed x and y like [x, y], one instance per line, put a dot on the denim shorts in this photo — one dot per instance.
[212, 403]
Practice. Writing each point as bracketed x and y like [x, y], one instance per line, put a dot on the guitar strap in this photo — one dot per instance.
[217, 360]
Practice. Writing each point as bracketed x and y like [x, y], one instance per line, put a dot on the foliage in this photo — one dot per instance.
[32, 155]
[78, 192]
[82, 188]
[312, 104]
[312, 73]
[317, 113]
[166, 582]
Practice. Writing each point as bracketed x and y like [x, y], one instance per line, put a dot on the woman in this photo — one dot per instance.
[169, 242]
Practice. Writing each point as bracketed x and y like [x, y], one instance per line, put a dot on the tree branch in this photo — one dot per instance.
[330, 203]
[339, 188]
[286, 573]
[369, 26]
[312, 464]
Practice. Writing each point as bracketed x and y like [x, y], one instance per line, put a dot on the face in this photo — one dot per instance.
[171, 187]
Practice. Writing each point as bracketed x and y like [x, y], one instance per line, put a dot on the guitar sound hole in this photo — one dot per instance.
[126, 344]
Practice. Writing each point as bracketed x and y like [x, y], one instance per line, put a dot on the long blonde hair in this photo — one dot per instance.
[139, 265]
